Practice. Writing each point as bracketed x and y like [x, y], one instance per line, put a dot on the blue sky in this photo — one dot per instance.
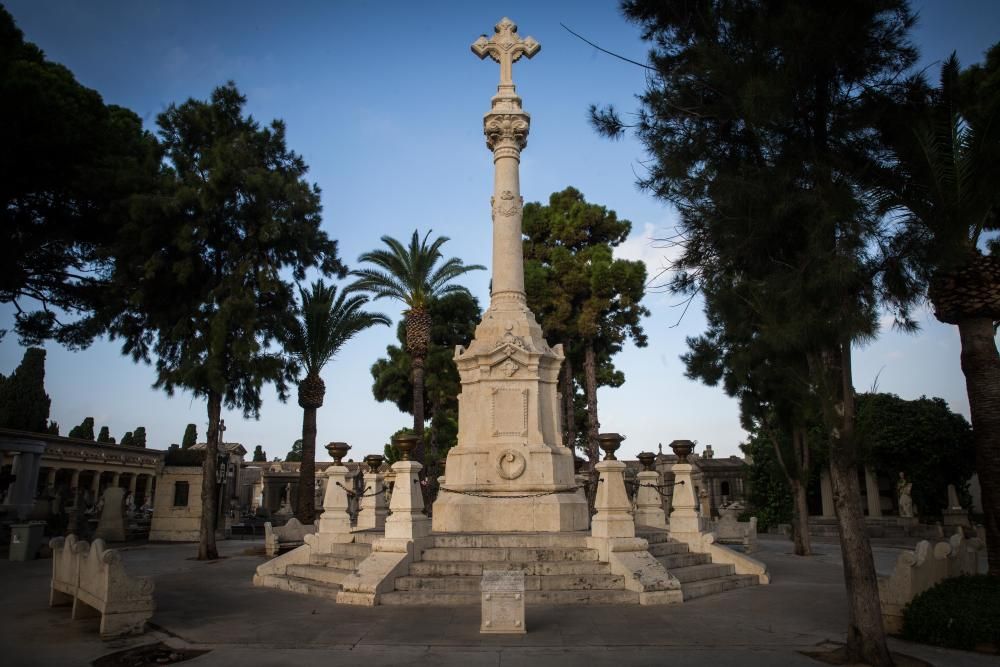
[385, 102]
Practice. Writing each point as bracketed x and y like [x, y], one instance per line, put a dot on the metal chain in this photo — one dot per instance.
[572, 489]
[355, 494]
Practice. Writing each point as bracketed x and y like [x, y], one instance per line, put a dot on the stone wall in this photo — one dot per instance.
[177, 523]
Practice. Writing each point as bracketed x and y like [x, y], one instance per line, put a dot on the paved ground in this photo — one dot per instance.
[214, 606]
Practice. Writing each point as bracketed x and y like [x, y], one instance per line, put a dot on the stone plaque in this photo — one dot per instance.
[510, 412]
[503, 602]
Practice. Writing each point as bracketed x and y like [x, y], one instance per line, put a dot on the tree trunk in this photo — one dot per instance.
[418, 406]
[590, 387]
[305, 510]
[866, 642]
[981, 366]
[209, 500]
[800, 520]
[569, 405]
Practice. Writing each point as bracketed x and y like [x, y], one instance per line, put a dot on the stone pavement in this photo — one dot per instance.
[214, 606]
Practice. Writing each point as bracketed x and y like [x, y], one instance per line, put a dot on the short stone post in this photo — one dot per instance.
[503, 602]
[407, 521]
[684, 523]
[373, 505]
[613, 518]
[335, 523]
[648, 505]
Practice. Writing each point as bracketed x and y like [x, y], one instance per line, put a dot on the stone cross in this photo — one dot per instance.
[505, 47]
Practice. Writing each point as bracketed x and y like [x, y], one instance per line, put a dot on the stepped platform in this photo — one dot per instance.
[560, 568]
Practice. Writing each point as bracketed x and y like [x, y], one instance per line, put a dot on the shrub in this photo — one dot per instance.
[184, 457]
[963, 612]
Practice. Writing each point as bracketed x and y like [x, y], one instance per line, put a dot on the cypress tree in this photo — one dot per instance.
[24, 405]
[190, 436]
[259, 455]
[85, 431]
[105, 435]
[128, 440]
[139, 437]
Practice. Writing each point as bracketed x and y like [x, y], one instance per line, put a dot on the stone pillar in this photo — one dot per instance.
[132, 484]
[50, 477]
[407, 521]
[684, 523]
[613, 518]
[826, 494]
[115, 479]
[648, 503]
[871, 490]
[74, 479]
[95, 484]
[373, 506]
[335, 521]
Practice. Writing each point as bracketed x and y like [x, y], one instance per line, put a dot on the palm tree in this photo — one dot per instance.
[943, 182]
[413, 276]
[326, 320]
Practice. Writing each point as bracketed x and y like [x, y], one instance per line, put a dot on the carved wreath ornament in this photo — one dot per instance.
[511, 464]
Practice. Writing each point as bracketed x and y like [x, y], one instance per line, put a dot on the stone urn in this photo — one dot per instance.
[609, 443]
[337, 451]
[682, 448]
[647, 459]
[405, 443]
[374, 462]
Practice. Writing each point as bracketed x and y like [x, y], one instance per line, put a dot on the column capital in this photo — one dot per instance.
[507, 132]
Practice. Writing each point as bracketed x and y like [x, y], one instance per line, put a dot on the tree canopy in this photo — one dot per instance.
[24, 405]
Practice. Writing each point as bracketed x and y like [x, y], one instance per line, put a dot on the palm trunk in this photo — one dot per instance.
[418, 405]
[569, 405]
[305, 510]
[209, 501]
[866, 642]
[981, 366]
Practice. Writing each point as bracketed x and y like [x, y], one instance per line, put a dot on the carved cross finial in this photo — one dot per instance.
[505, 47]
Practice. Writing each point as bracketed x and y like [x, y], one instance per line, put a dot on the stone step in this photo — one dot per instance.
[475, 568]
[668, 548]
[514, 554]
[297, 585]
[684, 560]
[512, 540]
[318, 573]
[335, 561]
[700, 572]
[559, 582]
[697, 589]
[440, 598]
[367, 536]
[352, 549]
[654, 536]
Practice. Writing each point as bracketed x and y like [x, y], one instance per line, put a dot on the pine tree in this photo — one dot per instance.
[202, 272]
[85, 431]
[190, 436]
[24, 405]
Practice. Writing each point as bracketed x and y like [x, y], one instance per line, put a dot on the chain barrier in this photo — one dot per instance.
[355, 494]
[572, 489]
[657, 487]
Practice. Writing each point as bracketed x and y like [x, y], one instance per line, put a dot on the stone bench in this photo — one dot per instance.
[283, 538]
[96, 583]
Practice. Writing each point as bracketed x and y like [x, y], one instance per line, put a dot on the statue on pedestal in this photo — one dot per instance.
[904, 487]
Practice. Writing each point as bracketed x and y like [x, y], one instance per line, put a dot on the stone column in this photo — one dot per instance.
[684, 522]
[335, 520]
[613, 518]
[826, 493]
[871, 490]
[648, 503]
[74, 479]
[115, 479]
[50, 477]
[407, 521]
[132, 485]
[373, 506]
[95, 484]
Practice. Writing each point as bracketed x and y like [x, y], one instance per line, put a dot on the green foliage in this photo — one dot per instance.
[139, 437]
[295, 453]
[962, 613]
[53, 428]
[410, 274]
[454, 318]
[68, 168]
[259, 455]
[105, 436]
[767, 488]
[200, 270]
[190, 436]
[922, 438]
[85, 431]
[24, 405]
[390, 451]
[177, 456]
[128, 440]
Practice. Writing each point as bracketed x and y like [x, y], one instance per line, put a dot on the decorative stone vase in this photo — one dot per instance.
[374, 462]
[609, 443]
[682, 448]
[405, 443]
[647, 459]
[337, 451]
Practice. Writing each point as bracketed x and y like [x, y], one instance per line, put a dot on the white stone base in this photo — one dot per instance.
[557, 512]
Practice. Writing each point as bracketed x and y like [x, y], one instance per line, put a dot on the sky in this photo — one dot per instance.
[385, 102]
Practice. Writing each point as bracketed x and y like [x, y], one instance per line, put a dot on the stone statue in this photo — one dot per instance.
[904, 488]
